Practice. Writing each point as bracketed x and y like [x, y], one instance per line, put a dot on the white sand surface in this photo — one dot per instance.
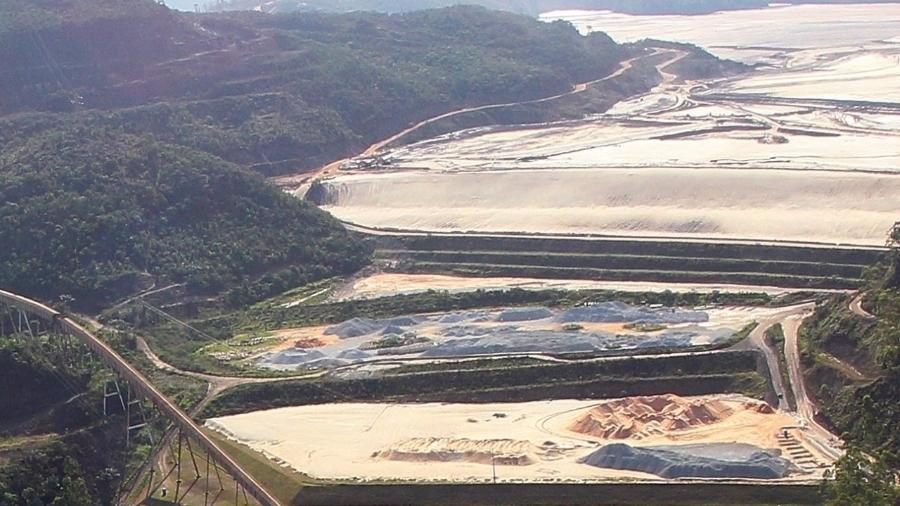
[826, 207]
[868, 76]
[386, 284]
[453, 442]
[857, 140]
[791, 27]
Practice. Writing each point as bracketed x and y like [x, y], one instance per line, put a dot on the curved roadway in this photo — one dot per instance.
[819, 436]
[857, 308]
[332, 167]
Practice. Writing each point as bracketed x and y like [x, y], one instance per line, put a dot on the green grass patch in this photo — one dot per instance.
[775, 336]
[284, 483]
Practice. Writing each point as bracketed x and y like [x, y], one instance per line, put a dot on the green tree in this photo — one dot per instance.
[861, 480]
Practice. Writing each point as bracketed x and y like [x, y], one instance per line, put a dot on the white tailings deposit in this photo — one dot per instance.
[595, 328]
[752, 35]
[805, 148]
[826, 207]
[722, 436]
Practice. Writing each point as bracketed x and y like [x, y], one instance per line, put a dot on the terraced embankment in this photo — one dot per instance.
[516, 380]
[795, 266]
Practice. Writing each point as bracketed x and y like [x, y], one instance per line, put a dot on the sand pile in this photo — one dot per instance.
[640, 417]
[721, 460]
[309, 342]
[507, 452]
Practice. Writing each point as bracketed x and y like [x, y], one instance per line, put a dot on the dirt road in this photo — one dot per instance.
[217, 384]
[758, 339]
[333, 167]
[578, 88]
[824, 440]
[857, 309]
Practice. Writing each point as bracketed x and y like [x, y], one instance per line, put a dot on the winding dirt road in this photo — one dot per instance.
[217, 384]
[333, 167]
[758, 339]
[818, 435]
[857, 309]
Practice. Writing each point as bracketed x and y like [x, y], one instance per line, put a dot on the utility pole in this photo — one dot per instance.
[493, 468]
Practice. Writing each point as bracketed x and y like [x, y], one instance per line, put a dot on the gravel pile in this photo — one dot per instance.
[554, 342]
[503, 331]
[619, 312]
[291, 357]
[476, 331]
[722, 460]
[524, 314]
[356, 327]
[354, 355]
[393, 330]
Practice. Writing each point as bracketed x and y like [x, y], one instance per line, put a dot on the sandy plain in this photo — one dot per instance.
[385, 284]
[826, 207]
[533, 441]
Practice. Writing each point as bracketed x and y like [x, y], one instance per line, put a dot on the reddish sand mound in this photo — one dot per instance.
[639, 417]
[309, 342]
[509, 452]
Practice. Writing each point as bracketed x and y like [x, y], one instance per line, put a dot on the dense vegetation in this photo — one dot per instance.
[57, 446]
[17, 16]
[48, 476]
[855, 364]
[54, 443]
[97, 215]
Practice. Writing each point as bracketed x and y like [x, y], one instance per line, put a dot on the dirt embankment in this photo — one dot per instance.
[509, 452]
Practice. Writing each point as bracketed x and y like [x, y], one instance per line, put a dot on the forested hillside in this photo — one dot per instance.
[97, 215]
[55, 448]
[281, 93]
[853, 363]
[131, 133]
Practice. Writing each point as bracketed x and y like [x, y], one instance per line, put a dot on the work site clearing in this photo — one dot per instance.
[560, 440]
[589, 329]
